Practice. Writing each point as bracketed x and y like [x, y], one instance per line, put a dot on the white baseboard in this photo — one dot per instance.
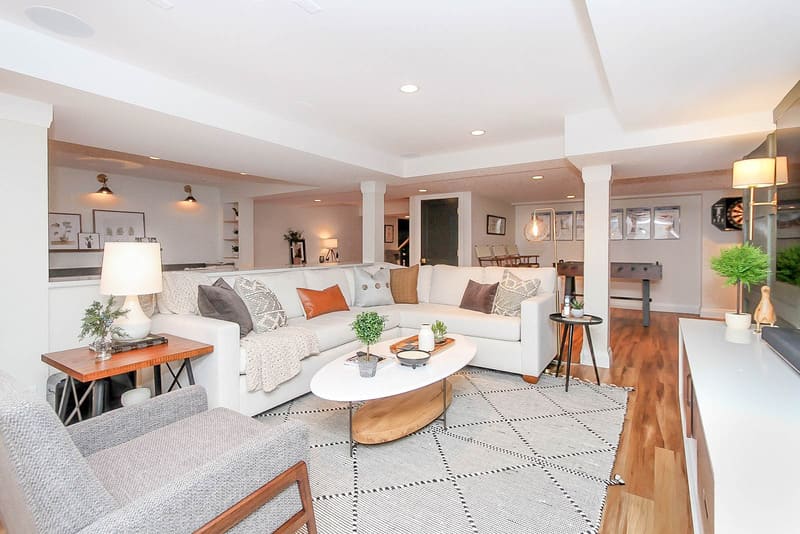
[659, 307]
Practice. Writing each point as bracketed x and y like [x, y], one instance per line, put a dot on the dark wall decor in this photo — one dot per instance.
[495, 225]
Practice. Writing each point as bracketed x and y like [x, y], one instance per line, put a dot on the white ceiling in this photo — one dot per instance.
[264, 87]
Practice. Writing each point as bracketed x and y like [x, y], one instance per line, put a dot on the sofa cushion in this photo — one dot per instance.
[220, 301]
[179, 291]
[391, 313]
[460, 321]
[317, 303]
[264, 307]
[448, 283]
[372, 289]
[511, 292]
[478, 297]
[320, 279]
[404, 284]
[332, 329]
[284, 285]
[424, 283]
[547, 275]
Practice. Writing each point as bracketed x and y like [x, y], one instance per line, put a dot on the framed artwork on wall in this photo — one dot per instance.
[615, 224]
[667, 222]
[88, 241]
[579, 226]
[63, 230]
[637, 223]
[388, 233]
[564, 225]
[297, 252]
[495, 225]
[118, 225]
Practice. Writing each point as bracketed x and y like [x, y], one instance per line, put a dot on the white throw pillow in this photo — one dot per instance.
[372, 289]
[264, 307]
[179, 291]
[511, 292]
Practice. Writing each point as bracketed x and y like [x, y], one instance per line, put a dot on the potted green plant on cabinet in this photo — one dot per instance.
[368, 328]
[741, 266]
[98, 323]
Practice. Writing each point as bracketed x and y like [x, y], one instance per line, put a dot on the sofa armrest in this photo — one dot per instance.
[538, 333]
[218, 371]
[124, 424]
[187, 503]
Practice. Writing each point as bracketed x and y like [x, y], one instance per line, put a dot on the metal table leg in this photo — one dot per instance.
[62, 405]
[350, 427]
[189, 371]
[569, 354]
[591, 351]
[157, 378]
[561, 349]
[646, 302]
[444, 402]
[98, 397]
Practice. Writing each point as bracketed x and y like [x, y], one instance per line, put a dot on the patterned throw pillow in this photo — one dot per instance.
[512, 291]
[372, 289]
[264, 307]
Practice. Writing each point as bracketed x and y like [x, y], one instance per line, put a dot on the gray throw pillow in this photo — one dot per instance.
[265, 308]
[511, 292]
[220, 301]
[372, 289]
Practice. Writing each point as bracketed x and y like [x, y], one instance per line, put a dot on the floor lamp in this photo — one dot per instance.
[756, 173]
[537, 231]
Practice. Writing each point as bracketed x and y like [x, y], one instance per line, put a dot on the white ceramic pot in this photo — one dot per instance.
[577, 313]
[738, 321]
[425, 337]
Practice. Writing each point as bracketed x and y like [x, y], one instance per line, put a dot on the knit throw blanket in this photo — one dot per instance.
[274, 357]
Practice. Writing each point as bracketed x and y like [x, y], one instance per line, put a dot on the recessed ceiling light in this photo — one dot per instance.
[537, 177]
[243, 173]
[570, 196]
[317, 200]
[58, 21]
[422, 190]
[409, 88]
[406, 216]
[153, 157]
[478, 132]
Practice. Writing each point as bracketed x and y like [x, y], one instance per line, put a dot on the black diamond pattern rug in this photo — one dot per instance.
[515, 458]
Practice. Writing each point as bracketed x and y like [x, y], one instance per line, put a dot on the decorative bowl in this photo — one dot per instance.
[413, 358]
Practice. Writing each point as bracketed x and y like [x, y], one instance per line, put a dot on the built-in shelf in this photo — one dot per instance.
[232, 221]
[230, 239]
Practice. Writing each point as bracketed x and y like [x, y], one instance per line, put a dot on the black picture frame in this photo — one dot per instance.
[495, 225]
[297, 252]
[388, 233]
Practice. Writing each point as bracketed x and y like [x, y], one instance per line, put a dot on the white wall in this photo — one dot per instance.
[688, 286]
[271, 220]
[187, 232]
[481, 207]
[23, 182]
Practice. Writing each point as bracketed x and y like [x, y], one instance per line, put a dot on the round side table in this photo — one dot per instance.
[569, 328]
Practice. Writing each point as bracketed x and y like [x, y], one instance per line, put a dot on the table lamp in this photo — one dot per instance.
[130, 270]
[755, 173]
[329, 248]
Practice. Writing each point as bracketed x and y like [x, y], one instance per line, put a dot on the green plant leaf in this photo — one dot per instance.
[368, 327]
[98, 320]
[787, 265]
[745, 263]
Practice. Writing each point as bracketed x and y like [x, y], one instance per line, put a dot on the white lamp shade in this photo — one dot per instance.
[755, 172]
[330, 243]
[131, 269]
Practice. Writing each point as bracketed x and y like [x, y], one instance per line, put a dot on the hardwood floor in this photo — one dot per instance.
[655, 498]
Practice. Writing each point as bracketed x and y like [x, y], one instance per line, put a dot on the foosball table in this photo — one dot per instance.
[645, 272]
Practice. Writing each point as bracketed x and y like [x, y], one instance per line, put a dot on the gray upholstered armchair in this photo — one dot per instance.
[166, 465]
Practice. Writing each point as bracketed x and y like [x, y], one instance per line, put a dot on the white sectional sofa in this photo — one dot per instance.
[523, 345]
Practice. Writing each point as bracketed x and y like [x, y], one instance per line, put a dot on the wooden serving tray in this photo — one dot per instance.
[413, 340]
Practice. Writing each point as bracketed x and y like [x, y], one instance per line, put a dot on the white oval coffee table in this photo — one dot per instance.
[400, 399]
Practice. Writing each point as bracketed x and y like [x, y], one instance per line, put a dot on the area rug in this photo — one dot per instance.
[515, 458]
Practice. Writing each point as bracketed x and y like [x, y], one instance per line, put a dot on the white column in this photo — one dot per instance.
[24, 322]
[597, 181]
[372, 221]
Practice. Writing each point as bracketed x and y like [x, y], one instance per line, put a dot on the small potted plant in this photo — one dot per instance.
[439, 331]
[368, 328]
[98, 322]
[741, 266]
[576, 306]
[293, 236]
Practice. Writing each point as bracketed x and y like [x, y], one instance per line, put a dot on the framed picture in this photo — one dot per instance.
[63, 230]
[495, 225]
[118, 225]
[788, 220]
[388, 233]
[615, 224]
[637, 223]
[564, 222]
[579, 226]
[297, 252]
[543, 223]
[88, 241]
[667, 222]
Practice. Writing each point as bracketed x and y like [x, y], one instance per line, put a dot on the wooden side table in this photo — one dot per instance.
[81, 365]
[569, 328]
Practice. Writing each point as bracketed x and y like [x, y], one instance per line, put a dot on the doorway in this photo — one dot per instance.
[402, 240]
[439, 231]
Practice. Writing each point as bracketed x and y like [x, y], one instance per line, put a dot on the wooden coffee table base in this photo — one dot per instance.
[391, 418]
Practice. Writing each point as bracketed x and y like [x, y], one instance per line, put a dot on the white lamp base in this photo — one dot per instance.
[135, 324]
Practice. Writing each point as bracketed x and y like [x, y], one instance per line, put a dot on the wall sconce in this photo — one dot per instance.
[190, 198]
[104, 190]
[755, 173]
[330, 250]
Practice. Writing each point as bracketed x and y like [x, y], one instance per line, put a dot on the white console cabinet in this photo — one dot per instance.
[740, 409]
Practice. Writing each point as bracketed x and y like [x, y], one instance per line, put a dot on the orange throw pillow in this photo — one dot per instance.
[403, 283]
[321, 302]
